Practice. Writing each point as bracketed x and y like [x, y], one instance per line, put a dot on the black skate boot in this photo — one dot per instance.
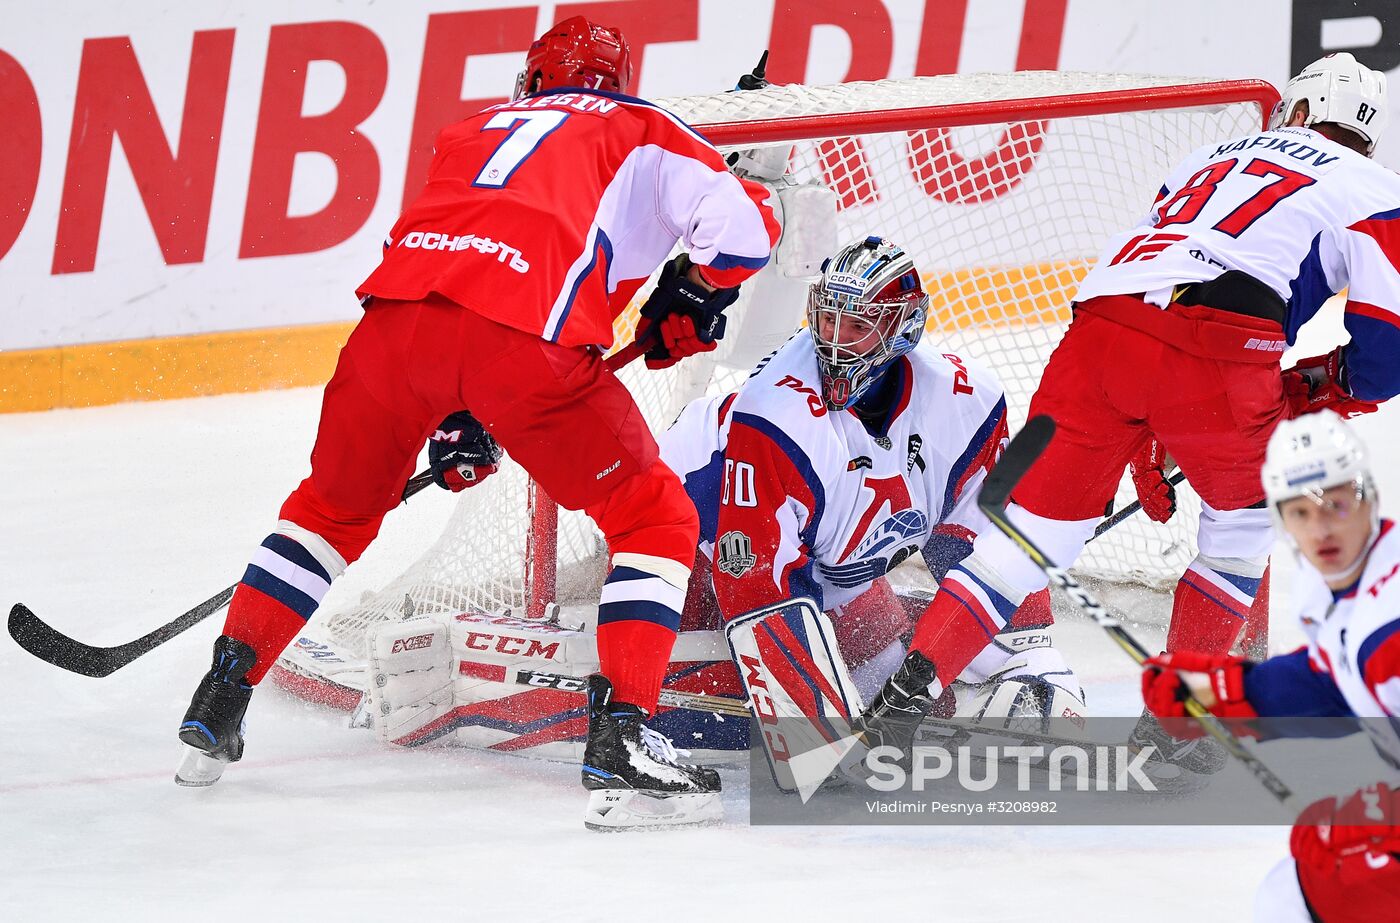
[1202, 755]
[633, 774]
[213, 727]
[899, 707]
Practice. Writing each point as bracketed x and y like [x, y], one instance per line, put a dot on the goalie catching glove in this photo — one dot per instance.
[1318, 383]
[462, 453]
[683, 315]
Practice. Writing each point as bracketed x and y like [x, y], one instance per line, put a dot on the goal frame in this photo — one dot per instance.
[540, 553]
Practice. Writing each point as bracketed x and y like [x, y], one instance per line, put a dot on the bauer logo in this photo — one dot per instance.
[415, 643]
[1266, 346]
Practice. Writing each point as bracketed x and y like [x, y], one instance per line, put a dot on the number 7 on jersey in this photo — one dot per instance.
[525, 131]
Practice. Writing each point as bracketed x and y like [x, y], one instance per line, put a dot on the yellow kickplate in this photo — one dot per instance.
[93, 374]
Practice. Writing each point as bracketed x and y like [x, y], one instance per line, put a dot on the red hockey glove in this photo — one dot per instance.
[1328, 833]
[461, 452]
[678, 295]
[1314, 384]
[1216, 680]
[1148, 469]
[678, 339]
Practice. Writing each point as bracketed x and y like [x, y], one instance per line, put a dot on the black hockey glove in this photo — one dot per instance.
[682, 317]
[461, 452]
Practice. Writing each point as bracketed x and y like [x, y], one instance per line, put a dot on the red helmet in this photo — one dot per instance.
[577, 53]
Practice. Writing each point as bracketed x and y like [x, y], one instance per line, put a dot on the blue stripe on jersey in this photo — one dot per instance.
[1288, 686]
[280, 590]
[600, 243]
[1390, 215]
[704, 486]
[1373, 641]
[1372, 374]
[975, 445]
[1308, 290]
[801, 582]
[639, 610]
[729, 261]
[799, 461]
[294, 551]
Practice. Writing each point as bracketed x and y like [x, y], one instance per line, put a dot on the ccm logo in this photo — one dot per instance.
[505, 644]
[415, 643]
[762, 704]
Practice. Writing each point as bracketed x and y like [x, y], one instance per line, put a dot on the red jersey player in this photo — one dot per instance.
[1176, 337]
[540, 219]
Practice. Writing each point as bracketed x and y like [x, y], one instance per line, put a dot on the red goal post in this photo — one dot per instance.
[1002, 186]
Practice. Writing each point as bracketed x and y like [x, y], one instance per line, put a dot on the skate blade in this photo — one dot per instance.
[198, 769]
[624, 809]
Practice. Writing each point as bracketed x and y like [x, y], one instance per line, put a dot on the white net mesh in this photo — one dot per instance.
[1003, 219]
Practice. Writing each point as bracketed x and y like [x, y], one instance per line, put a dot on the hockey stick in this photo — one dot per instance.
[52, 646]
[943, 728]
[1130, 509]
[1022, 452]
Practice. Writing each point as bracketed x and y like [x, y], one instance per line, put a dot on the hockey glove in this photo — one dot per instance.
[1328, 832]
[461, 452]
[682, 316]
[1216, 681]
[1148, 469]
[1316, 383]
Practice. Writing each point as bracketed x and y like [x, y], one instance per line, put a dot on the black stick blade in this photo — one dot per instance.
[1024, 449]
[51, 646]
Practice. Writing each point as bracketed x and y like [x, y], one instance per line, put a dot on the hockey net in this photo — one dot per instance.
[1002, 186]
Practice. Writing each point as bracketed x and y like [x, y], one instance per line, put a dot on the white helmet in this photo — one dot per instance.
[1309, 454]
[1341, 90]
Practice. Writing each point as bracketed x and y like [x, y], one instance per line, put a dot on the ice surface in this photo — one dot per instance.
[117, 519]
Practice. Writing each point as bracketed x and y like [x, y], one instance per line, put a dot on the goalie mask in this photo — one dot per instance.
[867, 309]
[576, 53]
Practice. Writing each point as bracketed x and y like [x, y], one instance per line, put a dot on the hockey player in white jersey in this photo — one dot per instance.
[1176, 339]
[849, 449]
[1346, 852]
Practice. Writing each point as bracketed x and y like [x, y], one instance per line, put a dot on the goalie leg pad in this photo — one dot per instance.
[1031, 686]
[411, 668]
[797, 683]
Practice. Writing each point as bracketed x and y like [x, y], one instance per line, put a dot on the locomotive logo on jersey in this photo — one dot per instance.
[916, 443]
[883, 549]
[736, 555]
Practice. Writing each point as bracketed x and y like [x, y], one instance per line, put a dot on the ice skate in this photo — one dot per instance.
[1202, 756]
[633, 774]
[900, 706]
[212, 731]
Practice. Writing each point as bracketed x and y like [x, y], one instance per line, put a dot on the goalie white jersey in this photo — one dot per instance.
[799, 500]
